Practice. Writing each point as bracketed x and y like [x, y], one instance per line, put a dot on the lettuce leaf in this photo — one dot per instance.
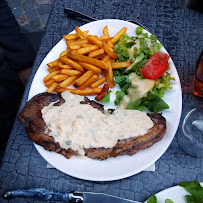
[139, 30]
[121, 48]
[195, 189]
[168, 201]
[152, 102]
[124, 83]
[162, 84]
[119, 97]
[152, 199]
[106, 98]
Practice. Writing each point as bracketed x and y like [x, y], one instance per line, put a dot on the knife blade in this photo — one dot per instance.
[70, 197]
[74, 14]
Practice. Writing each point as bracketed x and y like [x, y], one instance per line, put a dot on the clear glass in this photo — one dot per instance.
[192, 141]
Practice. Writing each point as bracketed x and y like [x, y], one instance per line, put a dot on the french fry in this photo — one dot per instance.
[98, 82]
[105, 31]
[61, 65]
[49, 82]
[83, 78]
[94, 40]
[74, 47]
[104, 38]
[70, 72]
[118, 65]
[68, 81]
[71, 63]
[87, 49]
[109, 43]
[79, 32]
[52, 69]
[88, 82]
[96, 53]
[86, 92]
[70, 41]
[118, 35]
[48, 77]
[69, 68]
[52, 87]
[63, 53]
[59, 77]
[85, 45]
[73, 36]
[53, 63]
[101, 56]
[109, 75]
[105, 89]
[60, 90]
[91, 67]
[106, 58]
[88, 60]
[112, 60]
[110, 51]
[79, 42]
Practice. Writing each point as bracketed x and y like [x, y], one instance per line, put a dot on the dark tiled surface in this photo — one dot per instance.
[32, 15]
[181, 32]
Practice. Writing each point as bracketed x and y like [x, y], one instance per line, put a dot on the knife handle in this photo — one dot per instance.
[42, 193]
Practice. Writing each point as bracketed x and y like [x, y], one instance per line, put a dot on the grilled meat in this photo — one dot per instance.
[36, 129]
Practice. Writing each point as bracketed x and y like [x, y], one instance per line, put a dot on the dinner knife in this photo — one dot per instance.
[70, 197]
[74, 14]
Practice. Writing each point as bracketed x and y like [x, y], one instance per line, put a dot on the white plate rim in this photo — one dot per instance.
[110, 178]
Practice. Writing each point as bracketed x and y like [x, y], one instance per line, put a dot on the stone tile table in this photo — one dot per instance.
[180, 30]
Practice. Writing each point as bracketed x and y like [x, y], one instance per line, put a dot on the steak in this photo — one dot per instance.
[37, 130]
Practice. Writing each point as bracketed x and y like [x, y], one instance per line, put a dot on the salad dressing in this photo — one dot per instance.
[131, 50]
[78, 126]
[139, 88]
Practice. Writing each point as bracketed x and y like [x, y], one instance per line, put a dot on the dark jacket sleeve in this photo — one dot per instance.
[11, 91]
[16, 54]
[19, 53]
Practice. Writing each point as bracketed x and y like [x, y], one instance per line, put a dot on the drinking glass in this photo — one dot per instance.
[192, 141]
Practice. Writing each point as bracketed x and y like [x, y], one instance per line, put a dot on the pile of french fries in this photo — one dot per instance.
[87, 63]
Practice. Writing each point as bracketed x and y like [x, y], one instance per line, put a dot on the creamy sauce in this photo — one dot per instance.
[131, 49]
[138, 89]
[78, 126]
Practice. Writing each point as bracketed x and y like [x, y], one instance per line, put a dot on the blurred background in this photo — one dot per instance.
[32, 15]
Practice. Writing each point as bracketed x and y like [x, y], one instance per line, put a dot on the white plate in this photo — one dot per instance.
[122, 166]
[176, 194]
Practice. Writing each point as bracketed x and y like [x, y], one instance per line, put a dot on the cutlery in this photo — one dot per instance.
[77, 15]
[71, 197]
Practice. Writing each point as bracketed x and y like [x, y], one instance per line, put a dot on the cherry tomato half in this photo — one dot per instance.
[155, 66]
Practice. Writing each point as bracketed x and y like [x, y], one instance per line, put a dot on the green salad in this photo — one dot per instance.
[193, 187]
[132, 95]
